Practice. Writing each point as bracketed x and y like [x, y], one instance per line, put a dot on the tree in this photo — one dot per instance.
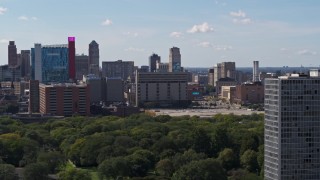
[228, 159]
[165, 167]
[249, 161]
[201, 141]
[74, 174]
[208, 169]
[36, 171]
[53, 160]
[114, 167]
[7, 172]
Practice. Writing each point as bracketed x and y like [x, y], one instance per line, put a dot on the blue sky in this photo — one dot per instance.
[274, 32]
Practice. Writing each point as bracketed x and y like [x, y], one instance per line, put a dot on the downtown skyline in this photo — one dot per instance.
[274, 33]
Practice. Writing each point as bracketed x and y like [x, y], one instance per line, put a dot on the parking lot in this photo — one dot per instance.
[203, 112]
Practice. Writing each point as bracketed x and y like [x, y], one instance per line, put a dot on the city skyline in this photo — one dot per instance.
[274, 33]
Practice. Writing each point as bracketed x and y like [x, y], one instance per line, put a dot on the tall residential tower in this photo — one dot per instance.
[292, 128]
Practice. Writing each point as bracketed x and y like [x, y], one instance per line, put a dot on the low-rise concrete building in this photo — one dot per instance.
[228, 93]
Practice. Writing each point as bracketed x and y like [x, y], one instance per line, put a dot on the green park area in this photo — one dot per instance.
[136, 147]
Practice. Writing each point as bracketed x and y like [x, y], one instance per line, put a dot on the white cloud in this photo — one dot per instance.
[106, 22]
[23, 18]
[2, 10]
[240, 14]
[215, 47]
[176, 34]
[244, 21]
[205, 44]
[134, 49]
[26, 18]
[4, 40]
[306, 52]
[222, 48]
[283, 49]
[201, 28]
[132, 34]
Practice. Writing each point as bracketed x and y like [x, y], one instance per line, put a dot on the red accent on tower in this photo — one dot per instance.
[72, 56]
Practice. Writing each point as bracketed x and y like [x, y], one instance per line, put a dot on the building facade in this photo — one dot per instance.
[50, 63]
[161, 87]
[115, 69]
[12, 54]
[25, 63]
[174, 60]
[82, 66]
[255, 72]
[292, 126]
[94, 58]
[34, 101]
[153, 59]
[71, 58]
[250, 93]
[211, 77]
[224, 70]
[64, 99]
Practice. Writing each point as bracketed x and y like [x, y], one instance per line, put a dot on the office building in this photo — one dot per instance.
[153, 59]
[162, 67]
[174, 60]
[94, 58]
[71, 57]
[144, 69]
[115, 69]
[96, 88]
[10, 73]
[64, 99]
[12, 54]
[25, 63]
[224, 82]
[114, 90]
[201, 79]
[162, 88]
[82, 66]
[211, 77]
[228, 93]
[255, 72]
[249, 93]
[292, 128]
[224, 70]
[34, 102]
[50, 63]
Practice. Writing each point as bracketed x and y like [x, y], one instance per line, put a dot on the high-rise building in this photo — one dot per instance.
[255, 73]
[153, 59]
[174, 60]
[64, 99]
[122, 69]
[224, 70]
[82, 66]
[12, 54]
[211, 77]
[50, 63]
[34, 103]
[94, 58]
[72, 54]
[25, 63]
[292, 128]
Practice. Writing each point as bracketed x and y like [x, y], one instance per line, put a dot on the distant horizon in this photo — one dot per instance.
[276, 33]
